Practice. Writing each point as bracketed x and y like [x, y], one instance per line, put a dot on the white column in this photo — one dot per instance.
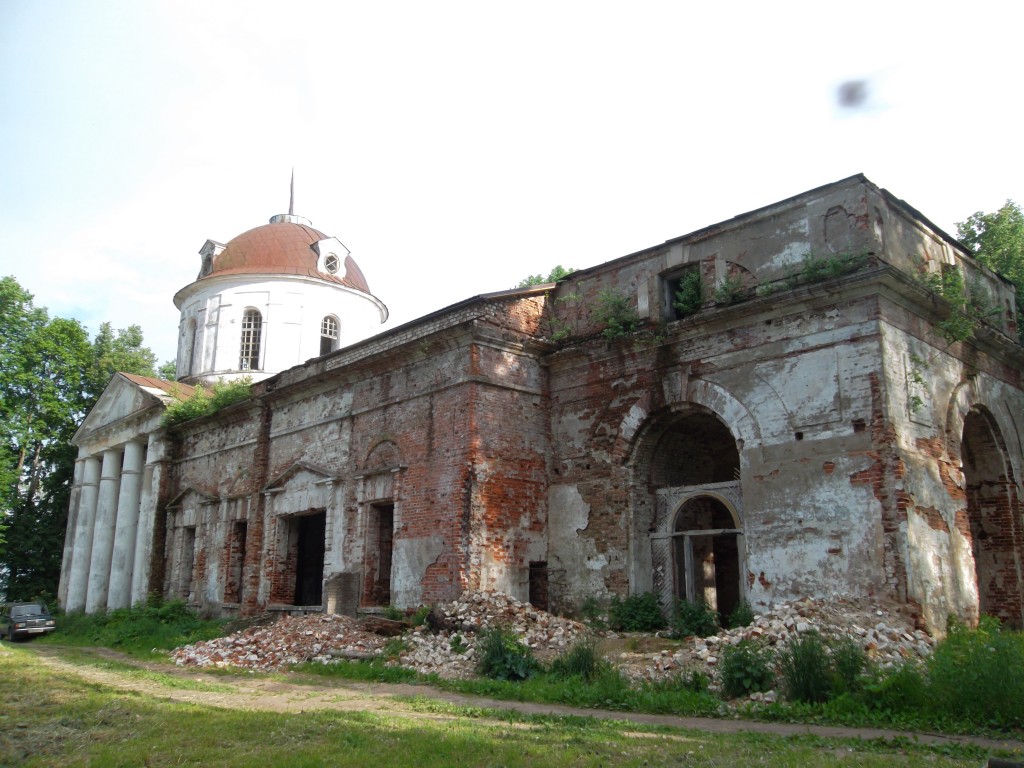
[69, 534]
[151, 478]
[81, 555]
[103, 531]
[126, 526]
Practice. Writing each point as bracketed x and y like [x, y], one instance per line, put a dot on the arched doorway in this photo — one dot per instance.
[687, 509]
[994, 517]
[706, 547]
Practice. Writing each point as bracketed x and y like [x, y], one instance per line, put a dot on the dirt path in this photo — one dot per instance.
[282, 696]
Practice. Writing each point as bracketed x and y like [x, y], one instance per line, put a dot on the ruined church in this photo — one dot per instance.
[821, 397]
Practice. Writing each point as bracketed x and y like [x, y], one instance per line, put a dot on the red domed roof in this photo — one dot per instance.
[281, 248]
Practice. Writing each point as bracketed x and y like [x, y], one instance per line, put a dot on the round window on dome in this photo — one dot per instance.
[331, 263]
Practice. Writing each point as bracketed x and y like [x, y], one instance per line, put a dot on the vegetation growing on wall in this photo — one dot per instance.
[556, 274]
[203, 401]
[616, 313]
[689, 296]
[969, 302]
[997, 240]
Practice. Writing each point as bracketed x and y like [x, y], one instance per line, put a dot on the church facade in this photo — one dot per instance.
[820, 397]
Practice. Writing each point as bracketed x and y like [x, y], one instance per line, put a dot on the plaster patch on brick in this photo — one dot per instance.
[577, 556]
[412, 557]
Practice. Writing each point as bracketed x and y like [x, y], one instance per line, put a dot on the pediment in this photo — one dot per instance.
[193, 495]
[300, 473]
[129, 397]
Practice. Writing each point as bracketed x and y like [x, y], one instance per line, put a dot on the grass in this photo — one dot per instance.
[972, 684]
[48, 719]
[145, 632]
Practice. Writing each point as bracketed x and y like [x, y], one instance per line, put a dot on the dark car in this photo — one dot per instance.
[24, 620]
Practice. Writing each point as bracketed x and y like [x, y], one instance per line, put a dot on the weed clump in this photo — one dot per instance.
[807, 669]
[582, 660]
[636, 613]
[745, 668]
[501, 656]
[697, 619]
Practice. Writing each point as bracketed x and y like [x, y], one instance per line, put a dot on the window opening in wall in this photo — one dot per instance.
[233, 588]
[707, 554]
[331, 263]
[310, 532]
[379, 552]
[252, 330]
[188, 563]
[328, 335]
[994, 515]
[539, 585]
[683, 291]
[190, 351]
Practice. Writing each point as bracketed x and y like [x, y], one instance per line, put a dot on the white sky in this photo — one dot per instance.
[456, 147]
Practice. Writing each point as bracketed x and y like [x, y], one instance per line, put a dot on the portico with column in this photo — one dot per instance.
[111, 520]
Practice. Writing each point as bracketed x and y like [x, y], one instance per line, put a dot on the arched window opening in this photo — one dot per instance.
[993, 513]
[252, 331]
[328, 335]
[707, 554]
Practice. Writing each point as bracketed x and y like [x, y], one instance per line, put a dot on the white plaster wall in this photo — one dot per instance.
[292, 309]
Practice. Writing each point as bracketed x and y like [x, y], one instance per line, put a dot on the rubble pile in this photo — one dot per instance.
[887, 635]
[447, 649]
[450, 652]
[291, 640]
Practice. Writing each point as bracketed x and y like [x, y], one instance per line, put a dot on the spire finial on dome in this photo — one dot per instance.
[290, 217]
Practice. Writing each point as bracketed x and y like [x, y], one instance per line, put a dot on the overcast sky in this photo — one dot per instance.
[456, 147]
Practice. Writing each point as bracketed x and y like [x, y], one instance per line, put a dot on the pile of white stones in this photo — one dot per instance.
[290, 640]
[450, 652]
[886, 634]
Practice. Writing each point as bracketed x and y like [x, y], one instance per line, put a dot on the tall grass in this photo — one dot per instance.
[978, 674]
[139, 631]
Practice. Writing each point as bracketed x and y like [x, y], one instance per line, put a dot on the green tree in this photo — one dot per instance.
[50, 376]
[168, 370]
[554, 276]
[114, 351]
[997, 240]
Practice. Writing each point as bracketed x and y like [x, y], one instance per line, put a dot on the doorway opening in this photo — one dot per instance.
[310, 533]
[236, 562]
[381, 534]
[706, 551]
[994, 515]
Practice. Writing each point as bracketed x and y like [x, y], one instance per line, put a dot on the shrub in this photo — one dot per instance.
[636, 613]
[729, 290]
[581, 660]
[742, 616]
[979, 674]
[502, 657]
[203, 401]
[745, 668]
[806, 669]
[616, 313]
[697, 619]
[690, 294]
[896, 690]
